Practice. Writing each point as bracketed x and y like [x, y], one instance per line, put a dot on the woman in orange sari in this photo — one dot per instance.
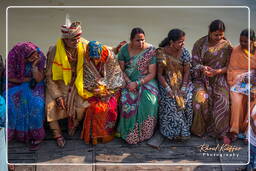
[237, 75]
[102, 79]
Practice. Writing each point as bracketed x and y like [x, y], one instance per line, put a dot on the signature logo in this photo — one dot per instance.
[219, 148]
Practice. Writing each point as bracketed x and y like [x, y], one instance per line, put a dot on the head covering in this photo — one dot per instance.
[95, 49]
[17, 56]
[71, 30]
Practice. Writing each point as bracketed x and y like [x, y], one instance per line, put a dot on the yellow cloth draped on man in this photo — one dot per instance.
[61, 69]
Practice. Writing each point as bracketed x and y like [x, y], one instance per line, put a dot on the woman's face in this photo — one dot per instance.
[217, 36]
[138, 41]
[72, 43]
[244, 42]
[34, 56]
[178, 44]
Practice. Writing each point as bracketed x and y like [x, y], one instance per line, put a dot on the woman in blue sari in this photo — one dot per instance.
[139, 101]
[26, 94]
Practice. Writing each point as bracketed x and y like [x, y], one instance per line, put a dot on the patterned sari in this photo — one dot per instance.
[211, 95]
[25, 104]
[237, 76]
[138, 111]
[175, 114]
[105, 75]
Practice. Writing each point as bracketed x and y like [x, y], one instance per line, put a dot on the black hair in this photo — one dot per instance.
[136, 30]
[164, 42]
[245, 33]
[173, 35]
[217, 25]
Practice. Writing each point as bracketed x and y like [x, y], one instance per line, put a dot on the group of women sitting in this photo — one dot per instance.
[205, 94]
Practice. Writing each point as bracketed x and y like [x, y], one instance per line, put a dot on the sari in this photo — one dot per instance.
[25, 121]
[105, 75]
[175, 114]
[3, 146]
[211, 94]
[138, 111]
[237, 74]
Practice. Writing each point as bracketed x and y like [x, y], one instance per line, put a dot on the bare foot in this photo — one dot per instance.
[60, 141]
[226, 140]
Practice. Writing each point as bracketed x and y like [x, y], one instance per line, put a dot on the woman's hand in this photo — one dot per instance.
[35, 62]
[206, 68]
[208, 71]
[118, 47]
[132, 86]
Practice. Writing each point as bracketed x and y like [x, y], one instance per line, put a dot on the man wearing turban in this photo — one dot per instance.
[64, 79]
[66, 93]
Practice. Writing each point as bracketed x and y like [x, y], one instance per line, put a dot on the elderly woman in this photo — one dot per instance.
[210, 56]
[25, 91]
[103, 79]
[238, 81]
[175, 105]
[139, 101]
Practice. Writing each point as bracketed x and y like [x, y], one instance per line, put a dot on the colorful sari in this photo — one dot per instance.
[211, 95]
[239, 88]
[105, 75]
[175, 114]
[138, 111]
[25, 103]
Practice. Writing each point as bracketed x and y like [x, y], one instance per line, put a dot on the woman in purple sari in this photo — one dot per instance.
[26, 94]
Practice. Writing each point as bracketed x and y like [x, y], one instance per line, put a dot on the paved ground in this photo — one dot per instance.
[99, 156]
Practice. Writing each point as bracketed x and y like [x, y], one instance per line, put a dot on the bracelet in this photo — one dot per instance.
[138, 82]
[168, 89]
[183, 88]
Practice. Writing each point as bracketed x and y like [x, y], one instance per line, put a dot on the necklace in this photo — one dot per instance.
[70, 56]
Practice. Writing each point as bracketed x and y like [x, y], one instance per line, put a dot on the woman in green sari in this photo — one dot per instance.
[139, 101]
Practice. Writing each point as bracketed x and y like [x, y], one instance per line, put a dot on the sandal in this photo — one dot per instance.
[60, 141]
[34, 145]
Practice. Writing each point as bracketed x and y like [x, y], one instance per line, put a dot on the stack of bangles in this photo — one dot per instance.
[140, 82]
[184, 88]
[168, 89]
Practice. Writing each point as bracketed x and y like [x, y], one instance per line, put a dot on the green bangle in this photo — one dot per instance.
[138, 82]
